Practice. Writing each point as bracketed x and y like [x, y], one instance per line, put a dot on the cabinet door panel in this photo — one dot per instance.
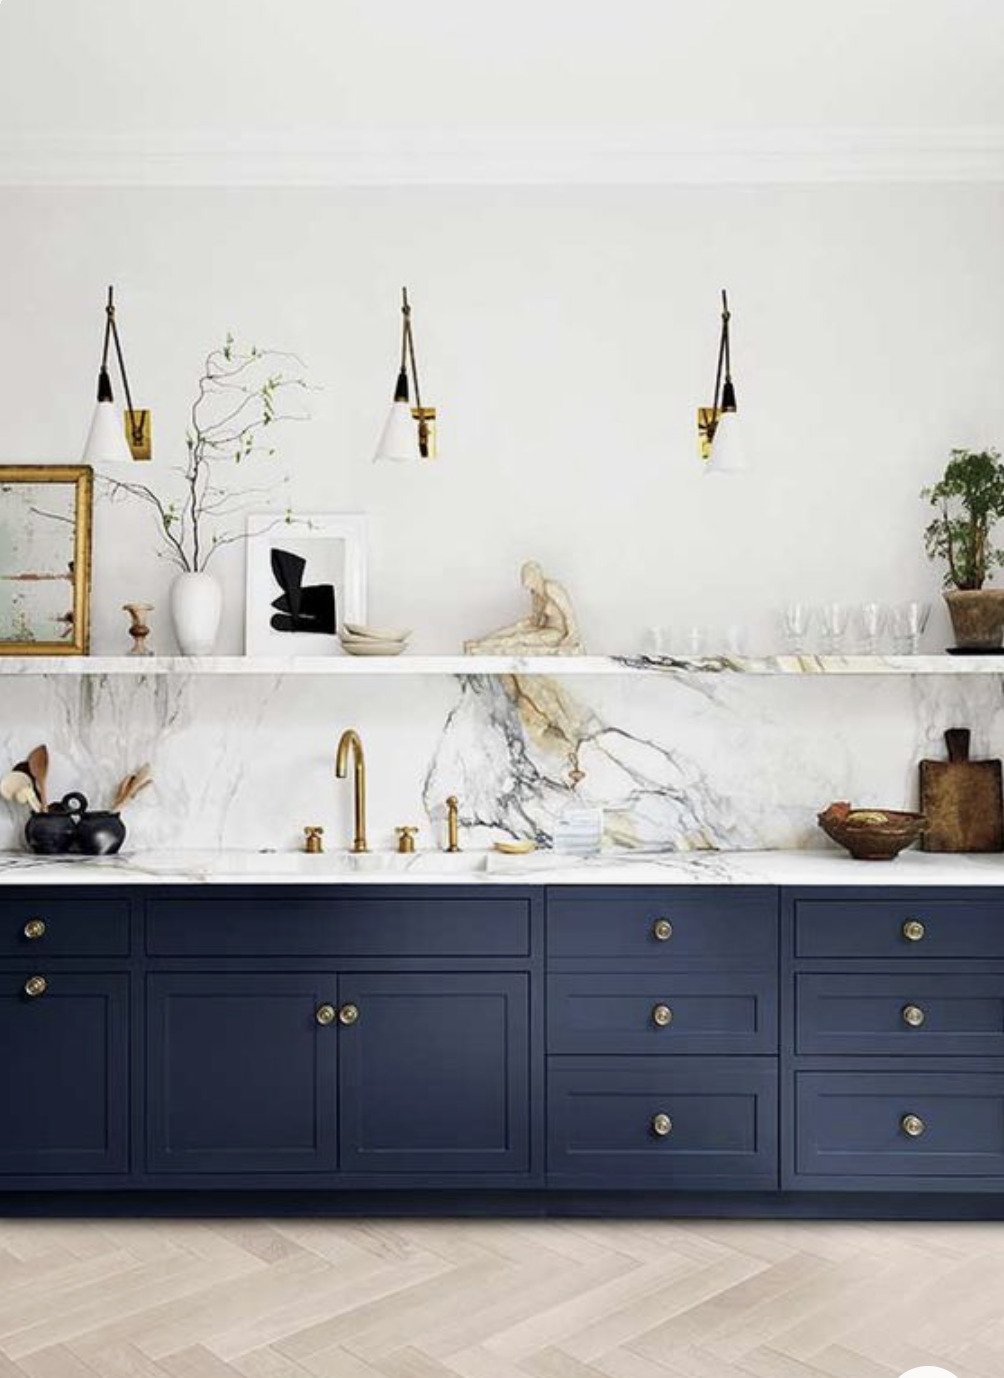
[719, 1125]
[914, 1014]
[240, 1075]
[856, 1124]
[662, 929]
[434, 1076]
[849, 927]
[690, 1012]
[64, 1075]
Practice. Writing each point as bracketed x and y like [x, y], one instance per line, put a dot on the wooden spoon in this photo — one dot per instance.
[38, 764]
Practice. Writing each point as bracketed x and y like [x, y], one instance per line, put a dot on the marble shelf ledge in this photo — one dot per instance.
[800, 868]
[557, 666]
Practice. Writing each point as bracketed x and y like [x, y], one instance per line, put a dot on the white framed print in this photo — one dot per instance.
[306, 577]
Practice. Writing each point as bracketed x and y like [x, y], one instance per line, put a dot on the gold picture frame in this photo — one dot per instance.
[37, 556]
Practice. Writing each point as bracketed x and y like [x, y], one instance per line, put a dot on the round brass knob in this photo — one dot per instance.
[325, 1014]
[662, 930]
[348, 1014]
[661, 1125]
[912, 1125]
[662, 1015]
[35, 986]
[913, 1015]
[34, 928]
[913, 930]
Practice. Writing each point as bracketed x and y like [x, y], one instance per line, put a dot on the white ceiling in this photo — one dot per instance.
[187, 75]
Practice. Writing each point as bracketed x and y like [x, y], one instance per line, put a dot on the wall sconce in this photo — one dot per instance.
[410, 431]
[719, 434]
[107, 441]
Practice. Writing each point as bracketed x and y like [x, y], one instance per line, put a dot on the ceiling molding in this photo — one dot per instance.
[526, 158]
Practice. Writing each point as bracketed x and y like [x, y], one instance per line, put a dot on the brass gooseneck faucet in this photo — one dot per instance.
[350, 741]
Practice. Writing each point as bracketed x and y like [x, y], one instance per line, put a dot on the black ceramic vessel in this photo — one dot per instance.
[99, 833]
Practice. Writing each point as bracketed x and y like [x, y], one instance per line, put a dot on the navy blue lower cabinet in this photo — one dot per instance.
[434, 1073]
[679, 1123]
[240, 1073]
[905, 1128]
[690, 1012]
[64, 1073]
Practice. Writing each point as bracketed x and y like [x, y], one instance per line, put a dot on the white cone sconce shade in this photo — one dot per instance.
[115, 437]
[409, 431]
[720, 432]
[399, 438]
[106, 440]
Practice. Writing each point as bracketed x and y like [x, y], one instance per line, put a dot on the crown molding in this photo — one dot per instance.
[413, 158]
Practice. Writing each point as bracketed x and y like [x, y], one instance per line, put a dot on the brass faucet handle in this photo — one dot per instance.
[452, 823]
[406, 840]
[313, 843]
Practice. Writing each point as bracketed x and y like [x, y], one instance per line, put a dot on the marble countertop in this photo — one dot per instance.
[804, 868]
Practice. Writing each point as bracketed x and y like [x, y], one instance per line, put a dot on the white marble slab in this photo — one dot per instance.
[804, 868]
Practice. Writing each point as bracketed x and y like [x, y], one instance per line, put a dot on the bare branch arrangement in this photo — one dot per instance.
[241, 395]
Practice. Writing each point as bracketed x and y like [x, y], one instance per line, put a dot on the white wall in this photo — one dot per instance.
[567, 337]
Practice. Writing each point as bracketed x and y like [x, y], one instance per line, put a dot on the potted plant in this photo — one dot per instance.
[969, 498]
[242, 394]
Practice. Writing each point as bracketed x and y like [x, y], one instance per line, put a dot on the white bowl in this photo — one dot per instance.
[354, 631]
[362, 647]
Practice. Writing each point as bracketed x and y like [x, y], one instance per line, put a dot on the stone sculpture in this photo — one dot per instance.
[550, 629]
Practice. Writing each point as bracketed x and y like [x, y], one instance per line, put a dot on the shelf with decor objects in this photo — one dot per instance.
[555, 666]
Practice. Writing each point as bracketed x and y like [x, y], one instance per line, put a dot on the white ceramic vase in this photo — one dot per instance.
[196, 605]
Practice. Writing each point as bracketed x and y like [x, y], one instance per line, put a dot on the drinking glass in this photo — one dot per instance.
[690, 643]
[909, 621]
[834, 620]
[871, 622]
[796, 618]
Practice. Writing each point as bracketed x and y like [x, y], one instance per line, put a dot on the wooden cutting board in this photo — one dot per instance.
[961, 800]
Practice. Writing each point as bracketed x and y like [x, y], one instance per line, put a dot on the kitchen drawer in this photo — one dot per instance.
[353, 927]
[660, 928]
[63, 928]
[720, 1122]
[918, 1014]
[913, 929]
[692, 1012]
[854, 1124]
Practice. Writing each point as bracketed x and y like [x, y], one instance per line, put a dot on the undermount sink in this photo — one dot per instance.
[344, 863]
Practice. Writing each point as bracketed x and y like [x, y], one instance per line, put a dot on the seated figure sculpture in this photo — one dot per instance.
[550, 627]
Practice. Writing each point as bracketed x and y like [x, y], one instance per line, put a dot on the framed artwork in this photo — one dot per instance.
[306, 577]
[45, 559]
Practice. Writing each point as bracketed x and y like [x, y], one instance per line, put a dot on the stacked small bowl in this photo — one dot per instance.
[372, 641]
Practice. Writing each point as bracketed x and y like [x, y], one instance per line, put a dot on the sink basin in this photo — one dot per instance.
[328, 866]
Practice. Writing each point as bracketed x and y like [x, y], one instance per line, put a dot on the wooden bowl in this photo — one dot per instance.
[871, 834]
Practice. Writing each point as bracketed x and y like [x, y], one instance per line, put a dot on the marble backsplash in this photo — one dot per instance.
[676, 761]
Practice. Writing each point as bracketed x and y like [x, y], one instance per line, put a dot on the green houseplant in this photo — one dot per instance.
[969, 498]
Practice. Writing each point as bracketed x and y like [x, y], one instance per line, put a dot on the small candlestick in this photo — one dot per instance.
[138, 629]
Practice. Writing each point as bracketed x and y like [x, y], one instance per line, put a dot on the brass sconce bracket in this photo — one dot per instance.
[707, 421]
[426, 418]
[139, 433]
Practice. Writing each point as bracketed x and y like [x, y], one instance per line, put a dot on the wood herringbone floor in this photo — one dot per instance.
[417, 1299]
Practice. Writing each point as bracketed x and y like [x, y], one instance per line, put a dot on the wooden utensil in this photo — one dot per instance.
[38, 764]
[18, 787]
[130, 787]
[962, 800]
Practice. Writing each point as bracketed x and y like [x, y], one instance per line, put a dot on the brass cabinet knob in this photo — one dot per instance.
[662, 1015]
[913, 1015]
[35, 986]
[661, 1125]
[348, 1014]
[662, 930]
[325, 1014]
[34, 928]
[912, 1125]
[913, 930]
